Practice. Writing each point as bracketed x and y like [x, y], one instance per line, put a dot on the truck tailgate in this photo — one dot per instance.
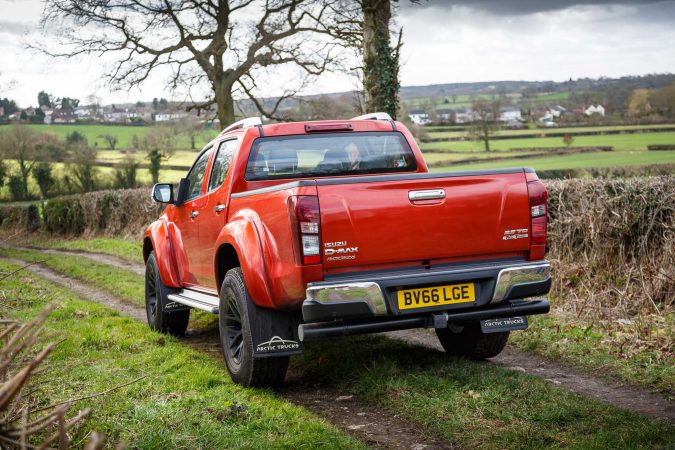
[385, 220]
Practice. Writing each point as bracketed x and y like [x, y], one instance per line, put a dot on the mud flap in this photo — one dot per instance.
[170, 306]
[274, 333]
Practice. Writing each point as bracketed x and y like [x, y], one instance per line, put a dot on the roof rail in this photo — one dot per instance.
[243, 123]
[373, 116]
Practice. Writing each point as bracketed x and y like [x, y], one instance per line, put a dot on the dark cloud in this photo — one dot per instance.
[524, 7]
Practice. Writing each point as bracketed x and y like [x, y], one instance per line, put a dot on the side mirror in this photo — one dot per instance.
[162, 193]
[183, 188]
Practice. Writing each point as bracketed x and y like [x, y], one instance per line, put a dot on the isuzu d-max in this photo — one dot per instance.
[299, 231]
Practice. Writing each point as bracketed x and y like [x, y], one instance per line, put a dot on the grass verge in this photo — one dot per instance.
[123, 284]
[129, 249]
[186, 399]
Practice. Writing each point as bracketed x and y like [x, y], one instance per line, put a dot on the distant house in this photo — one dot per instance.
[87, 112]
[419, 116]
[595, 109]
[165, 117]
[463, 116]
[119, 115]
[445, 115]
[557, 111]
[510, 115]
[63, 116]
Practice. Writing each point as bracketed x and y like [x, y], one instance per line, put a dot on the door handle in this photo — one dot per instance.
[219, 208]
[431, 194]
[194, 214]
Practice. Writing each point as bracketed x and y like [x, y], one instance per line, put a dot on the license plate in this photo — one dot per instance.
[436, 296]
[507, 324]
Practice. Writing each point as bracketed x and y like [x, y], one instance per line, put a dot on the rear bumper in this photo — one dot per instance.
[307, 332]
[372, 296]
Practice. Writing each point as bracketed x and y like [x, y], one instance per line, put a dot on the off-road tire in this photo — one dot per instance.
[156, 297]
[237, 344]
[471, 342]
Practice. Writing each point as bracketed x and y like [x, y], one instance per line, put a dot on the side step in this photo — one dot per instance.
[197, 300]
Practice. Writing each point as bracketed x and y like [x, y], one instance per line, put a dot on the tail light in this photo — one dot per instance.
[538, 216]
[306, 223]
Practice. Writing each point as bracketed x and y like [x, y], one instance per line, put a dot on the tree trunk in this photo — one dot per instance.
[224, 101]
[380, 61]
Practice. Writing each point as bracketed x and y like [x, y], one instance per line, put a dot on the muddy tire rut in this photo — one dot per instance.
[613, 392]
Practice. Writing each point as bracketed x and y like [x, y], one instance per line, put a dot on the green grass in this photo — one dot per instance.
[129, 249]
[123, 133]
[620, 142]
[123, 284]
[186, 399]
[440, 133]
[630, 150]
[473, 404]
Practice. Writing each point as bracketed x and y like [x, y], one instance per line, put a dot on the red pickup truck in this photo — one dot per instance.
[298, 231]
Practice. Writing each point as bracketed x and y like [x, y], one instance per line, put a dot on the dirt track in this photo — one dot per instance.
[319, 400]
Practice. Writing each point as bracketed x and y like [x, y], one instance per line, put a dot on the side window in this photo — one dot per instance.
[222, 163]
[196, 175]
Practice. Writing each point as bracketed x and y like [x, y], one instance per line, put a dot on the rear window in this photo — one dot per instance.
[329, 155]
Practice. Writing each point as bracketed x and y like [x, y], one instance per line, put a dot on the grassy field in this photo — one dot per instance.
[467, 403]
[185, 400]
[440, 133]
[123, 133]
[629, 150]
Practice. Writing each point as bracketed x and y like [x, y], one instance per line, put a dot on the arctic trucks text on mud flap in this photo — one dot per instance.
[299, 231]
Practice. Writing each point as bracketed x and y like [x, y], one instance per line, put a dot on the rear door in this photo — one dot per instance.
[418, 217]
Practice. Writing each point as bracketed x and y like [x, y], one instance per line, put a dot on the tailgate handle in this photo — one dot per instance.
[430, 194]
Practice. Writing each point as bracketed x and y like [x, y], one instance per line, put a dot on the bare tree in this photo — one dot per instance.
[224, 44]
[27, 147]
[485, 120]
[109, 139]
[158, 144]
[192, 127]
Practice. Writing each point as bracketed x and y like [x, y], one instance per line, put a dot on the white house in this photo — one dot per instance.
[509, 115]
[595, 109]
[417, 116]
[165, 117]
[463, 116]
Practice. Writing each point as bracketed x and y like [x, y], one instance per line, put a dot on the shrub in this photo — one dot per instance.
[120, 212]
[17, 188]
[612, 244]
[64, 215]
[20, 217]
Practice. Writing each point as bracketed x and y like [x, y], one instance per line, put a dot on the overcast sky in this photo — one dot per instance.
[444, 41]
